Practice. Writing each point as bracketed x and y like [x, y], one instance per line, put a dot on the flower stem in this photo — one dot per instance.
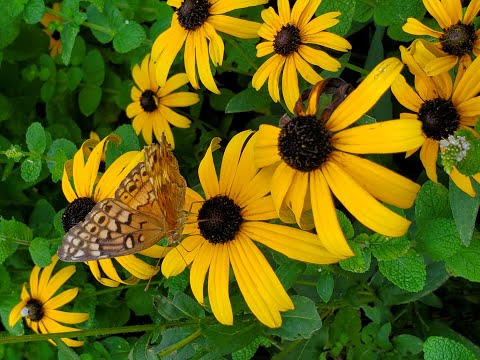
[85, 23]
[354, 67]
[180, 344]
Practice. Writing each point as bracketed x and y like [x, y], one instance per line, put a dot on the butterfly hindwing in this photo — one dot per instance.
[111, 229]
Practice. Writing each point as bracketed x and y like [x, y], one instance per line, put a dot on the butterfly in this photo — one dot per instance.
[148, 206]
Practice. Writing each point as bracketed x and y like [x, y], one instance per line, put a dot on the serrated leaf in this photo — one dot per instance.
[361, 261]
[390, 12]
[249, 351]
[172, 336]
[325, 284]
[363, 12]
[40, 252]
[181, 307]
[432, 202]
[347, 9]
[30, 169]
[129, 37]
[407, 272]
[69, 33]
[466, 262]
[301, 322]
[60, 151]
[36, 138]
[89, 98]
[470, 164]
[110, 19]
[440, 348]
[391, 249]
[33, 12]
[438, 238]
[141, 349]
[248, 100]
[10, 232]
[464, 210]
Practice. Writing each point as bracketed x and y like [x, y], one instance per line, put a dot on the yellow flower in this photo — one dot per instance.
[287, 35]
[195, 23]
[441, 105]
[55, 45]
[91, 187]
[221, 232]
[314, 157]
[458, 38]
[40, 309]
[151, 103]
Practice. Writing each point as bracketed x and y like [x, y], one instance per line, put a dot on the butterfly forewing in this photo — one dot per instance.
[148, 206]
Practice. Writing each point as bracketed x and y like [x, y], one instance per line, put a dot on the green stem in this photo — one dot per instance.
[354, 67]
[247, 57]
[180, 344]
[85, 23]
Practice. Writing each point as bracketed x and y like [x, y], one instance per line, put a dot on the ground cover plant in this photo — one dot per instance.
[217, 179]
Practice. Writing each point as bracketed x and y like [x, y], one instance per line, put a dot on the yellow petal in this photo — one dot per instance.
[380, 138]
[266, 145]
[309, 11]
[265, 70]
[239, 28]
[57, 281]
[365, 95]
[189, 60]
[137, 267]
[362, 205]
[290, 90]
[471, 12]
[307, 246]
[173, 44]
[172, 84]
[258, 187]
[259, 209]
[437, 10]
[245, 170]
[206, 171]
[15, 313]
[329, 40]
[273, 78]
[66, 317]
[218, 285]
[319, 58]
[441, 65]
[61, 299]
[216, 46]
[67, 187]
[179, 258]
[306, 70]
[281, 182]
[271, 19]
[470, 107]
[406, 95]
[320, 23]
[45, 277]
[469, 84]
[199, 269]
[463, 182]
[384, 184]
[180, 99]
[428, 156]
[265, 48]
[284, 11]
[203, 63]
[222, 6]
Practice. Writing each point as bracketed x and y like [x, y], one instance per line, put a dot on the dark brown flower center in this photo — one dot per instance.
[439, 118]
[76, 212]
[193, 13]
[287, 40]
[304, 143]
[149, 101]
[56, 35]
[219, 219]
[458, 39]
[34, 310]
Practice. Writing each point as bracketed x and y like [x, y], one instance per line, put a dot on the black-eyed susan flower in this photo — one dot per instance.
[151, 103]
[457, 39]
[315, 157]
[195, 23]
[442, 105]
[55, 45]
[40, 307]
[221, 232]
[90, 187]
[288, 35]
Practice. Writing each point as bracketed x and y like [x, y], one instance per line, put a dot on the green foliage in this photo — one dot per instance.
[437, 347]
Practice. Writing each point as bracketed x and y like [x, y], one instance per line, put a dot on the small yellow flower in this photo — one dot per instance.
[443, 106]
[55, 45]
[458, 38]
[288, 35]
[90, 187]
[222, 229]
[40, 307]
[195, 23]
[151, 103]
[313, 157]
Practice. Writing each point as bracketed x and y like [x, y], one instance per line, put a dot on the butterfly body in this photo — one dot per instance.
[148, 206]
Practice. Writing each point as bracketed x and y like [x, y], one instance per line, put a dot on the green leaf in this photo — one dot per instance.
[464, 209]
[74, 77]
[15, 7]
[361, 261]
[110, 19]
[10, 26]
[60, 151]
[363, 12]
[396, 32]
[390, 249]
[466, 262]
[36, 138]
[33, 11]
[301, 322]
[346, 225]
[440, 348]
[346, 326]
[373, 313]
[30, 169]
[470, 164]
[408, 345]
[47, 90]
[93, 68]
[438, 238]
[407, 272]
[41, 218]
[171, 337]
[5, 108]
[325, 284]
[40, 252]
[249, 351]
[181, 307]
[248, 100]
[129, 37]
[11, 232]
[141, 349]
[390, 12]
[89, 99]
[65, 352]
[69, 33]
[346, 7]
[432, 202]
[289, 271]
[129, 138]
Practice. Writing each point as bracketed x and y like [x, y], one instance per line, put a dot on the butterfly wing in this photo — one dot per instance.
[111, 229]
